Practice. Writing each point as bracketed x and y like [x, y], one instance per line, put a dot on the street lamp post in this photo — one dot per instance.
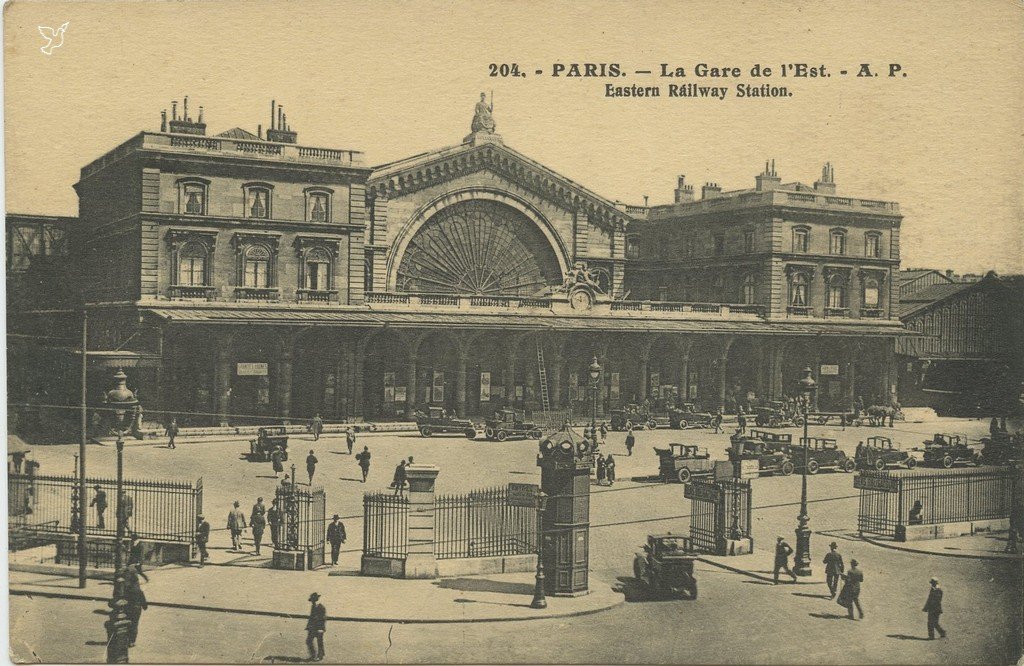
[803, 532]
[124, 406]
[538, 589]
[595, 375]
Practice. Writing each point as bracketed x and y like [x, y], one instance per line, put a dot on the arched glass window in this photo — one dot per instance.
[256, 271]
[871, 293]
[836, 294]
[318, 269]
[318, 205]
[192, 195]
[837, 242]
[192, 265]
[257, 202]
[749, 283]
[798, 290]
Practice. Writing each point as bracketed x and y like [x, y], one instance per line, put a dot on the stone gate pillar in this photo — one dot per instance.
[420, 561]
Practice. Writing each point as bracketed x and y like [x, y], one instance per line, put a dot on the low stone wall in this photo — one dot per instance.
[384, 567]
[152, 431]
[154, 553]
[949, 530]
[464, 566]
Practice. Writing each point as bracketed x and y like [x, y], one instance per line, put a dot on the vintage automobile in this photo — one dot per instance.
[822, 453]
[436, 420]
[687, 416]
[946, 450]
[510, 423]
[632, 416]
[1003, 449]
[879, 453]
[267, 440]
[774, 441]
[768, 461]
[776, 415]
[680, 462]
[665, 565]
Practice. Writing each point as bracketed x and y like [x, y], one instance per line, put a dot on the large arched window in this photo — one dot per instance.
[192, 196]
[318, 269]
[258, 201]
[835, 296]
[798, 290]
[192, 265]
[318, 204]
[749, 288]
[256, 268]
[872, 293]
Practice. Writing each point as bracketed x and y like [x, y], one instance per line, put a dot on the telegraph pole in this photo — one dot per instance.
[82, 513]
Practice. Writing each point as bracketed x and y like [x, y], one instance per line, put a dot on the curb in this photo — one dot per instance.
[333, 618]
[757, 576]
[994, 556]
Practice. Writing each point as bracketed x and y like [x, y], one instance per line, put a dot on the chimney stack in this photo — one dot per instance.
[184, 124]
[768, 180]
[710, 191]
[827, 184]
[279, 130]
[184, 111]
[174, 110]
[683, 192]
[949, 273]
[163, 120]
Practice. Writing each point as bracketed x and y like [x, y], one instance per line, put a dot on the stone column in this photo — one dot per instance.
[851, 375]
[284, 382]
[556, 383]
[645, 359]
[460, 384]
[723, 364]
[223, 381]
[358, 367]
[410, 386]
[816, 292]
[816, 373]
[420, 561]
[510, 378]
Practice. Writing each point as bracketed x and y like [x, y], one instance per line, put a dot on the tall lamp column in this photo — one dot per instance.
[538, 590]
[595, 376]
[803, 532]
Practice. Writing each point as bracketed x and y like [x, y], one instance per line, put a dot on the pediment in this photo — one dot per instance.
[429, 169]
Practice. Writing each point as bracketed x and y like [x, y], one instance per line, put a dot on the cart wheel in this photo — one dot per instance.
[652, 424]
[628, 425]
[880, 464]
[849, 465]
[682, 424]
[812, 467]
[425, 431]
[501, 435]
[536, 433]
[489, 433]
[798, 421]
[787, 468]
[947, 461]
[683, 475]
[911, 463]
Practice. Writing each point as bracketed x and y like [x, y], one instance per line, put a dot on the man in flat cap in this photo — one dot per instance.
[315, 626]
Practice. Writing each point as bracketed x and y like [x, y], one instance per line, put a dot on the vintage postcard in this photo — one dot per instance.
[514, 332]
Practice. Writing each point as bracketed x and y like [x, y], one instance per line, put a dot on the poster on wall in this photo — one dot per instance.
[614, 387]
[252, 369]
[400, 394]
[389, 394]
[485, 386]
[655, 383]
[438, 386]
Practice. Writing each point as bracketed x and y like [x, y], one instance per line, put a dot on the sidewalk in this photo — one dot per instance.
[250, 587]
[760, 566]
[979, 546]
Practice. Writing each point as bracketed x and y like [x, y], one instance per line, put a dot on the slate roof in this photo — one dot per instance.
[918, 300]
[239, 133]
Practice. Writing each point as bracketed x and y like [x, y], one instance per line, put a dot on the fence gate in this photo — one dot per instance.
[385, 525]
[304, 529]
[720, 511]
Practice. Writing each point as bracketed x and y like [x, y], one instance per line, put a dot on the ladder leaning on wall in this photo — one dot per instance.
[543, 375]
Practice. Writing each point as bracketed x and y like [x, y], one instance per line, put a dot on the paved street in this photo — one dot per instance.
[741, 612]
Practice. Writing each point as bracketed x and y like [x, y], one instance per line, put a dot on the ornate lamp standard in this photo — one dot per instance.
[803, 533]
[595, 375]
[538, 589]
[124, 407]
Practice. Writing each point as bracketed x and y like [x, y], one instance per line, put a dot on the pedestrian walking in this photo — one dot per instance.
[202, 538]
[335, 537]
[834, 568]
[604, 432]
[19, 458]
[125, 510]
[311, 462]
[276, 459]
[609, 469]
[258, 522]
[849, 596]
[782, 553]
[350, 439]
[933, 606]
[136, 599]
[993, 427]
[99, 500]
[317, 427]
[315, 627]
[741, 420]
[630, 442]
[601, 470]
[236, 524]
[135, 550]
[172, 432]
[716, 421]
[398, 482]
[858, 407]
[363, 457]
[275, 519]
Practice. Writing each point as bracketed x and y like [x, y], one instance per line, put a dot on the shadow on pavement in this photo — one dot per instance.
[635, 592]
[483, 585]
[279, 659]
[345, 478]
[828, 616]
[904, 637]
[811, 596]
[645, 479]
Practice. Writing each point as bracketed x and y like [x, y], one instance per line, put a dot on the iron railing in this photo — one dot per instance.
[946, 496]
[385, 525]
[482, 524]
[720, 511]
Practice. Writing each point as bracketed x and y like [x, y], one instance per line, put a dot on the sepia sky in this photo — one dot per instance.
[393, 79]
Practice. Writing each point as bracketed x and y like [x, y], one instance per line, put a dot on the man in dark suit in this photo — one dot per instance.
[335, 537]
[782, 553]
[136, 599]
[934, 609]
[99, 500]
[202, 538]
[315, 627]
[833, 568]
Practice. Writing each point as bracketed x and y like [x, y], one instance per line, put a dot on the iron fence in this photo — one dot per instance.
[154, 509]
[887, 498]
[482, 523]
[720, 511]
[385, 525]
[304, 527]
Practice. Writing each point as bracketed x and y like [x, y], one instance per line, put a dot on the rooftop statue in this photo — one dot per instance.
[483, 121]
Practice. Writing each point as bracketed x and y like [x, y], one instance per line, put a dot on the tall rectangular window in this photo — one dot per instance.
[801, 240]
[872, 245]
[748, 241]
[837, 242]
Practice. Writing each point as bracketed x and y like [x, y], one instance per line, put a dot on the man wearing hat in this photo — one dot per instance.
[258, 522]
[833, 568]
[99, 501]
[782, 553]
[934, 609]
[202, 538]
[315, 626]
[336, 537]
